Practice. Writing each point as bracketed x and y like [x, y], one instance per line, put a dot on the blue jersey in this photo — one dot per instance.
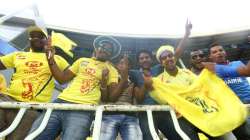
[231, 77]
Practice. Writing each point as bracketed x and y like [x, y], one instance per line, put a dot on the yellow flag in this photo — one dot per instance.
[3, 85]
[63, 42]
[208, 103]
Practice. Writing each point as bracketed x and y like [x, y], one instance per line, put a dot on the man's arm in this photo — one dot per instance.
[227, 71]
[244, 70]
[182, 44]
[104, 86]
[116, 89]
[139, 94]
[60, 76]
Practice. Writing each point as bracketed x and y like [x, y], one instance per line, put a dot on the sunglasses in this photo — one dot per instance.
[198, 55]
[106, 50]
[37, 38]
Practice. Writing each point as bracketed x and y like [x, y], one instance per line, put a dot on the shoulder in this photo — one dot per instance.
[134, 72]
[83, 59]
[188, 72]
[19, 53]
[156, 70]
[111, 66]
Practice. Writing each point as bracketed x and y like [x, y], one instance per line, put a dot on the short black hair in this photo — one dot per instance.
[202, 50]
[213, 45]
[205, 51]
[143, 51]
[195, 50]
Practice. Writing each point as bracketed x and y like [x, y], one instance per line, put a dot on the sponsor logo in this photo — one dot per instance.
[33, 64]
[90, 71]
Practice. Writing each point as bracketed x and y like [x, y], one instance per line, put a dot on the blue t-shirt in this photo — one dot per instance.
[136, 76]
[231, 77]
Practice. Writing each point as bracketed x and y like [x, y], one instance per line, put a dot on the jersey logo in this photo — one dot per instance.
[90, 71]
[33, 64]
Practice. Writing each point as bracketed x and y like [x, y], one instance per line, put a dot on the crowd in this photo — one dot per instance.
[106, 78]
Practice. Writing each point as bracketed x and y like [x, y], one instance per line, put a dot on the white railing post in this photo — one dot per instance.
[151, 125]
[14, 124]
[98, 117]
[41, 127]
[177, 126]
[97, 123]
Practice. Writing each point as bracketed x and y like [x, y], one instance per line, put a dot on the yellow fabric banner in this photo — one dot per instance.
[208, 103]
[3, 85]
[63, 42]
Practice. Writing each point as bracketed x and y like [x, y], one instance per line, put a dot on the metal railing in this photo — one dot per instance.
[49, 107]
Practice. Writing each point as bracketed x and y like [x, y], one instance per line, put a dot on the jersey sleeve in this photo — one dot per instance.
[75, 66]
[113, 75]
[8, 60]
[191, 74]
[226, 71]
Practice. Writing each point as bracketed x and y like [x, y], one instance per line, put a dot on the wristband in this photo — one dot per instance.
[103, 88]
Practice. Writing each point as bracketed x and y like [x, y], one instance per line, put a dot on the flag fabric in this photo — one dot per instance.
[3, 85]
[63, 42]
[208, 103]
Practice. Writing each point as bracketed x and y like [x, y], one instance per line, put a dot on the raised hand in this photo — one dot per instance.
[50, 51]
[188, 27]
[104, 80]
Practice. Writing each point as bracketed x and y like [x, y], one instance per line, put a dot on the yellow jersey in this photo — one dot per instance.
[85, 87]
[32, 80]
[183, 77]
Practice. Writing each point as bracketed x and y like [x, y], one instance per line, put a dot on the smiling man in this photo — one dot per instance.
[173, 74]
[93, 79]
[196, 59]
[32, 81]
[233, 73]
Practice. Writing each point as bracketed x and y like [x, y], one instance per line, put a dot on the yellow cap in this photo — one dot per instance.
[38, 29]
[162, 49]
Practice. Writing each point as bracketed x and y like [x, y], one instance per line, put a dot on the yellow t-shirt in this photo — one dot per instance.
[184, 77]
[3, 85]
[85, 87]
[32, 80]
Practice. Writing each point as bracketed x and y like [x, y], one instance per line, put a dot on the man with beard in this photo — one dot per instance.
[31, 82]
[162, 119]
[173, 74]
[93, 79]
